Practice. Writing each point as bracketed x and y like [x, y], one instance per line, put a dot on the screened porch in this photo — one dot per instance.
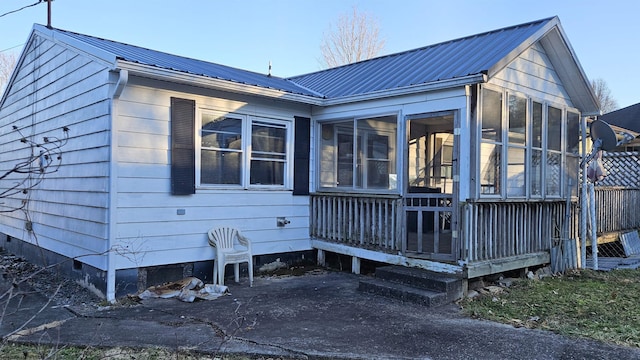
[402, 196]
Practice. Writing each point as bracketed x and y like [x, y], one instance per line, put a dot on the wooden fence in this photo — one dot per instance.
[617, 209]
[618, 194]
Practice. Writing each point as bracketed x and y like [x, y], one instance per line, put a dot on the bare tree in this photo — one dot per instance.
[7, 63]
[603, 94]
[355, 37]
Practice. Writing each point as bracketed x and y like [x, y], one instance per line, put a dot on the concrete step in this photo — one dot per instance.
[414, 285]
[403, 292]
[422, 279]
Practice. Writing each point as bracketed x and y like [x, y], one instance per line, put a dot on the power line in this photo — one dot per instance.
[11, 48]
[22, 8]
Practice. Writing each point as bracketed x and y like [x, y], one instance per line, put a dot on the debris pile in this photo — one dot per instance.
[500, 284]
[187, 290]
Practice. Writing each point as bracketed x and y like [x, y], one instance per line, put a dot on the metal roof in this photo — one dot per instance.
[459, 58]
[444, 61]
[628, 118]
[164, 60]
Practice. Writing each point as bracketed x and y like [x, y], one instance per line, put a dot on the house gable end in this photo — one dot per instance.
[533, 73]
[57, 92]
[570, 71]
[551, 40]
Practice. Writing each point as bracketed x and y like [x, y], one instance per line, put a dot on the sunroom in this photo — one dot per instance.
[474, 190]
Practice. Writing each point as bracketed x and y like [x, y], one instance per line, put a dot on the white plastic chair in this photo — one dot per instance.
[231, 248]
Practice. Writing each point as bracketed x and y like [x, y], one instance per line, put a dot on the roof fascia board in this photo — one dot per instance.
[556, 43]
[408, 90]
[513, 54]
[105, 57]
[218, 84]
[17, 67]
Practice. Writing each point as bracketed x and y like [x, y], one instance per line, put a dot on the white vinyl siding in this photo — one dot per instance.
[533, 74]
[147, 214]
[56, 87]
[531, 155]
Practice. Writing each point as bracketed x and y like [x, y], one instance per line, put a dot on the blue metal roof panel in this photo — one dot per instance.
[163, 60]
[448, 60]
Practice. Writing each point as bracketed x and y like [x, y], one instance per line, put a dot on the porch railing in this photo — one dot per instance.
[495, 230]
[490, 230]
[436, 211]
[617, 208]
[362, 220]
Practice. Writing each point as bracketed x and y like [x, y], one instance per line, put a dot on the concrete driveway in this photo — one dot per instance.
[318, 315]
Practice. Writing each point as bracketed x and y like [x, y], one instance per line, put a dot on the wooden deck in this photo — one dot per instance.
[491, 237]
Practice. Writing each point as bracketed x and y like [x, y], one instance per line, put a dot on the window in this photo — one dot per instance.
[358, 154]
[528, 147]
[554, 151]
[536, 149]
[516, 150]
[221, 150]
[268, 153]
[243, 151]
[491, 143]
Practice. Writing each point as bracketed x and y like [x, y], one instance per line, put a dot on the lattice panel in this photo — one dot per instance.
[623, 168]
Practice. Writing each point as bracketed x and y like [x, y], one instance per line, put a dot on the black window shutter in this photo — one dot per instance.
[301, 156]
[183, 157]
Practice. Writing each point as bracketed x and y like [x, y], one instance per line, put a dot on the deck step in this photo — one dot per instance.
[403, 292]
[415, 285]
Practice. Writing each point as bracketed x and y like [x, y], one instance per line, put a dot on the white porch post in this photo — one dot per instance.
[583, 199]
[355, 265]
[321, 258]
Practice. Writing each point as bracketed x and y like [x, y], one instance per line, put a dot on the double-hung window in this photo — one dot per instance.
[243, 151]
[268, 153]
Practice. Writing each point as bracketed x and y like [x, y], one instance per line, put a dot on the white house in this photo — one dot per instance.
[456, 157]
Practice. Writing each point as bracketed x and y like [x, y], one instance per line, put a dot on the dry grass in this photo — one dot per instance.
[603, 306]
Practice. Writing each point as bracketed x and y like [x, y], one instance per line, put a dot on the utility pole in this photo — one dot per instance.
[49, 13]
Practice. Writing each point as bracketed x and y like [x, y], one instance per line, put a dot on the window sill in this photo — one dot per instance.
[240, 188]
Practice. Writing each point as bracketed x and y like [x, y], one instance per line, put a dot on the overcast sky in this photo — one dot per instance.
[248, 34]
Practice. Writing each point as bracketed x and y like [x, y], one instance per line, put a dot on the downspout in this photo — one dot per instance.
[111, 204]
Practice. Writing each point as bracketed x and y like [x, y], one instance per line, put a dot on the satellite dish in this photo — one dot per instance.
[601, 130]
[603, 138]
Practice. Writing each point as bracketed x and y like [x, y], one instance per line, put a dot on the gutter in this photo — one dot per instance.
[436, 85]
[154, 72]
